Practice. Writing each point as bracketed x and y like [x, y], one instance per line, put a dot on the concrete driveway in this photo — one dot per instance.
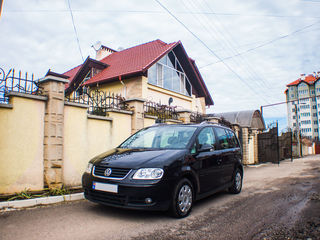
[276, 202]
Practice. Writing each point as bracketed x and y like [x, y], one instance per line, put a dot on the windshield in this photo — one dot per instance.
[165, 137]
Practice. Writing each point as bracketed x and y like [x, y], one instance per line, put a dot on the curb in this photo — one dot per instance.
[18, 204]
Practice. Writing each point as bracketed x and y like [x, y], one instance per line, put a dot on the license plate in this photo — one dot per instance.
[106, 187]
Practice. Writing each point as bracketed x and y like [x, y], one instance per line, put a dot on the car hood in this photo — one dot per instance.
[137, 158]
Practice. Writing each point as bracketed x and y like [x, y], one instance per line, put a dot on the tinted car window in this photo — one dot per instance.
[206, 136]
[160, 137]
[222, 138]
[232, 139]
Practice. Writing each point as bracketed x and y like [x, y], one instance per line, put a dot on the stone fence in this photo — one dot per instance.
[47, 141]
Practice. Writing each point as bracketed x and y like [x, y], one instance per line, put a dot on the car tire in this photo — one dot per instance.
[182, 200]
[236, 182]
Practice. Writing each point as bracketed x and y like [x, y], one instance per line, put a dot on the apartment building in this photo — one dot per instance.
[303, 105]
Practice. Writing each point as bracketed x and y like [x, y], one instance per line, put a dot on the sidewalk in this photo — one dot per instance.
[20, 204]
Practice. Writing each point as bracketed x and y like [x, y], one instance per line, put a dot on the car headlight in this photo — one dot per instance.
[148, 173]
[89, 168]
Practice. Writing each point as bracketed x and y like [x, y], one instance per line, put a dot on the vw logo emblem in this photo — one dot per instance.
[107, 172]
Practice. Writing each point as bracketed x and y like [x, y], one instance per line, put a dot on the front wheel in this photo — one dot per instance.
[236, 182]
[182, 199]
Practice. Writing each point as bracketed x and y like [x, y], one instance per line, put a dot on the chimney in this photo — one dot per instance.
[103, 51]
[302, 76]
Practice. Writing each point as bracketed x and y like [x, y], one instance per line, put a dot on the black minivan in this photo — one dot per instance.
[166, 167]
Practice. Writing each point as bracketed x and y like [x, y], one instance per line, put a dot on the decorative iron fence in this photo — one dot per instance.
[99, 102]
[161, 111]
[17, 82]
[196, 117]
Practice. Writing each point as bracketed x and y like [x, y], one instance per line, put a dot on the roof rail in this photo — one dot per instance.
[158, 124]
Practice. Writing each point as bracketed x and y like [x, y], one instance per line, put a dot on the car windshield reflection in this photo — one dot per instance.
[166, 137]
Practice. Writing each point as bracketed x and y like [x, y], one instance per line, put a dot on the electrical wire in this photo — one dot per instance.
[210, 50]
[226, 34]
[229, 46]
[75, 30]
[264, 44]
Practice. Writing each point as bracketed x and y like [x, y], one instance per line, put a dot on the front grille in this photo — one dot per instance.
[112, 198]
[116, 172]
[106, 197]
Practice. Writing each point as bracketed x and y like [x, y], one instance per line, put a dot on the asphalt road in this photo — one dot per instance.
[277, 202]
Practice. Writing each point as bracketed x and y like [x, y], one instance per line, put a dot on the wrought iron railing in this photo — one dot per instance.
[196, 117]
[162, 112]
[99, 102]
[17, 82]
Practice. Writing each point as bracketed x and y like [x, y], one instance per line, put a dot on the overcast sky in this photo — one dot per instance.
[263, 45]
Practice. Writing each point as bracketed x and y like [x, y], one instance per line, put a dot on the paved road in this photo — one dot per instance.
[276, 202]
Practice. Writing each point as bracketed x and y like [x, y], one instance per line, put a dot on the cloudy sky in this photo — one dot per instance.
[247, 51]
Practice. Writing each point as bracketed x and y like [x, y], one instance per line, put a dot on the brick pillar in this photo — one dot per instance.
[236, 129]
[137, 118]
[53, 86]
[255, 142]
[184, 115]
[245, 147]
[213, 119]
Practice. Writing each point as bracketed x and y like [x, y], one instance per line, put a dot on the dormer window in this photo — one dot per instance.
[168, 73]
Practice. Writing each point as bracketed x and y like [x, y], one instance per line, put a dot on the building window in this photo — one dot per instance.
[294, 124]
[294, 117]
[316, 130]
[168, 73]
[315, 114]
[315, 122]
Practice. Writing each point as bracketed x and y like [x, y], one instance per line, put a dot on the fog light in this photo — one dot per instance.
[148, 200]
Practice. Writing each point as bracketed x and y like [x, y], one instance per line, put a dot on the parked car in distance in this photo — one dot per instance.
[166, 167]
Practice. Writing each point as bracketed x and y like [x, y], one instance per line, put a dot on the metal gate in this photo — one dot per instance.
[268, 145]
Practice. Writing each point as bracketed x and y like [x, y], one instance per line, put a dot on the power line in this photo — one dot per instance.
[206, 46]
[230, 46]
[264, 44]
[152, 12]
[75, 30]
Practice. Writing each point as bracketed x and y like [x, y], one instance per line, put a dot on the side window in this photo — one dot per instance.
[206, 136]
[232, 139]
[222, 138]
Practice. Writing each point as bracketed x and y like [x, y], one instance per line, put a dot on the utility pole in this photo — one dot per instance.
[297, 130]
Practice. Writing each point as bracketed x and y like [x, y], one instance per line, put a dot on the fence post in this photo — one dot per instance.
[137, 118]
[53, 86]
[245, 140]
[184, 115]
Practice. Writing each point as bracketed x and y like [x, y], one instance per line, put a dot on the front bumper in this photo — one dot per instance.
[131, 195]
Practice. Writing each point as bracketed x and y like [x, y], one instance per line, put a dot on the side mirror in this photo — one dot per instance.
[206, 148]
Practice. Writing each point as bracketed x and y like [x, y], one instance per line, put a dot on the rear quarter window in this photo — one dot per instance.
[223, 139]
[232, 139]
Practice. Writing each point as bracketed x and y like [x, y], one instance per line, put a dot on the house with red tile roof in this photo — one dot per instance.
[303, 105]
[154, 71]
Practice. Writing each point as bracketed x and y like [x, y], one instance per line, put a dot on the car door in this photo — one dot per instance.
[226, 154]
[208, 161]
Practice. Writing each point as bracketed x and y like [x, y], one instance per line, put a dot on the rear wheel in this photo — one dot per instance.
[237, 182]
[182, 199]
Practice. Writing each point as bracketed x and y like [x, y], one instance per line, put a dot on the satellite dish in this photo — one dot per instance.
[120, 48]
[97, 46]
[170, 100]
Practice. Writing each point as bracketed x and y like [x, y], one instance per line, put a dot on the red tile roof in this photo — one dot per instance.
[136, 61]
[310, 79]
[71, 74]
[132, 60]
